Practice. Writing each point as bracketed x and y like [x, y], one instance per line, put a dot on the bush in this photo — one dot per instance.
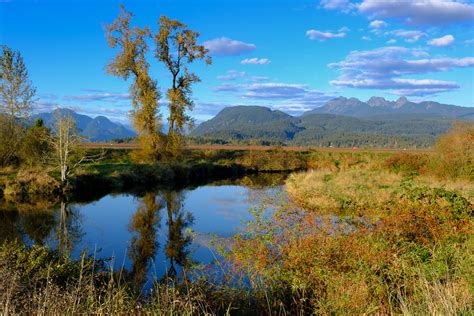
[408, 163]
[35, 146]
[10, 141]
[455, 152]
[277, 159]
[415, 253]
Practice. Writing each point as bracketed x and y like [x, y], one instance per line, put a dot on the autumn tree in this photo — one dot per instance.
[176, 48]
[16, 99]
[131, 63]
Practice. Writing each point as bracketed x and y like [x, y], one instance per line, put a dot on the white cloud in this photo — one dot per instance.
[442, 41]
[343, 5]
[322, 36]
[377, 24]
[255, 61]
[224, 46]
[344, 29]
[384, 68]
[428, 12]
[366, 38]
[409, 36]
[232, 75]
[98, 95]
[297, 97]
[259, 78]
[391, 41]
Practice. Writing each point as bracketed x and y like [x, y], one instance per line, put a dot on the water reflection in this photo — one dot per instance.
[176, 248]
[68, 230]
[143, 245]
[149, 236]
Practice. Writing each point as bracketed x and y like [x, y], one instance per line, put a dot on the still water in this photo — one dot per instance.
[150, 235]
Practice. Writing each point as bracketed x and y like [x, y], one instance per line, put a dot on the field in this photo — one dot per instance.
[261, 148]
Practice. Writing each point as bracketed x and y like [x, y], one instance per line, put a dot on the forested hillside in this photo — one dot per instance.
[340, 123]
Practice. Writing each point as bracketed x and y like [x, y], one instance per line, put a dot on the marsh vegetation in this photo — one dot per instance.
[349, 232]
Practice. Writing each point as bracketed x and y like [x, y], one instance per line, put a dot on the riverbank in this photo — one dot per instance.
[360, 234]
[370, 238]
[116, 173]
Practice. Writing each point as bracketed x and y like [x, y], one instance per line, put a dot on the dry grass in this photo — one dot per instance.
[360, 191]
[37, 282]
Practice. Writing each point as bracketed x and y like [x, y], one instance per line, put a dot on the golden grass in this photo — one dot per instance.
[356, 191]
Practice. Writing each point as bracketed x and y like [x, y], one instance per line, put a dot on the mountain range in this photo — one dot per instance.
[341, 122]
[379, 106]
[95, 129]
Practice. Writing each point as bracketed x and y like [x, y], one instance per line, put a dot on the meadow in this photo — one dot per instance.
[360, 233]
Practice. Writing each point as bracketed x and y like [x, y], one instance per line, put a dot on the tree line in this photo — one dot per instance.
[35, 145]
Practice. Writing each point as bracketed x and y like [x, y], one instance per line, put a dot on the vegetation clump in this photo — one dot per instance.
[360, 241]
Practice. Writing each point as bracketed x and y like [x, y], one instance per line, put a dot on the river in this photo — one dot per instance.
[150, 235]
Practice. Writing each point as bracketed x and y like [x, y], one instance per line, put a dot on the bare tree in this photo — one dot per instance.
[67, 155]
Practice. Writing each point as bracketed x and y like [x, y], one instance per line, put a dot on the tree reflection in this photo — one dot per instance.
[146, 223]
[27, 221]
[143, 246]
[9, 229]
[178, 240]
[38, 225]
[68, 228]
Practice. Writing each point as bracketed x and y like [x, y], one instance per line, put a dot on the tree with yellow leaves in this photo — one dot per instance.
[176, 48]
[131, 62]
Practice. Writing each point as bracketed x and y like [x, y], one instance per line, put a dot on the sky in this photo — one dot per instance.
[288, 55]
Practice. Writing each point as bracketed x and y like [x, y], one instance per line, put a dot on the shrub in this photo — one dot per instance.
[455, 152]
[408, 163]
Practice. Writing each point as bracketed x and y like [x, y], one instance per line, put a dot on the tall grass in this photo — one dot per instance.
[38, 281]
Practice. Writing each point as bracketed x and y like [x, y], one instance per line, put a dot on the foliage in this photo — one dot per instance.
[36, 146]
[176, 48]
[16, 97]
[10, 141]
[365, 241]
[277, 159]
[131, 62]
[456, 151]
[453, 156]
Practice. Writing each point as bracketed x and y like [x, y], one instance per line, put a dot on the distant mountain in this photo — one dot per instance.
[246, 122]
[376, 123]
[379, 106]
[95, 129]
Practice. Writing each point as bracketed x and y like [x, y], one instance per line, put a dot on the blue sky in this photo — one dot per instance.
[288, 55]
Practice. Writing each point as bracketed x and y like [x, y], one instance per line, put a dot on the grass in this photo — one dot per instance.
[363, 233]
[38, 281]
[366, 237]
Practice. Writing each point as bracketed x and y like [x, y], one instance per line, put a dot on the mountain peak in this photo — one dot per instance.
[401, 101]
[99, 128]
[377, 101]
[380, 106]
